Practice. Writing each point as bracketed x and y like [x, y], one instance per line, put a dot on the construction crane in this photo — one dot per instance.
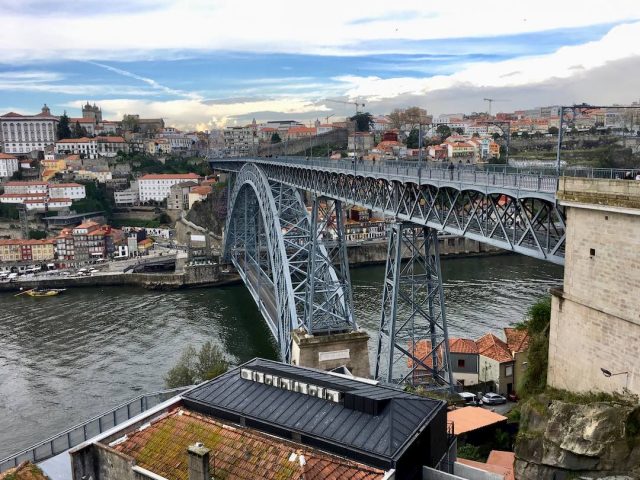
[344, 102]
[491, 100]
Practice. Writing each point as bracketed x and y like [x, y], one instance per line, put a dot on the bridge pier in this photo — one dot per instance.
[413, 341]
[326, 352]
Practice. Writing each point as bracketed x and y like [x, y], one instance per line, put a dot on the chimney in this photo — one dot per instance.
[198, 462]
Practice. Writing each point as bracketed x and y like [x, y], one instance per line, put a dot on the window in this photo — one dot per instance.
[508, 371]
[460, 363]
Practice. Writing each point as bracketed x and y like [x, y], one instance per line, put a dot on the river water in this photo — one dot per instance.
[64, 359]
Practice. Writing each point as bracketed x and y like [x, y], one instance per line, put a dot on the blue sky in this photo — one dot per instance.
[201, 63]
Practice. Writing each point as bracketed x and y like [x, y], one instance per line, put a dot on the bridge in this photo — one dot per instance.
[294, 261]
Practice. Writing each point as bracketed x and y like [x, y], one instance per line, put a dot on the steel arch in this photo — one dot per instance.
[272, 242]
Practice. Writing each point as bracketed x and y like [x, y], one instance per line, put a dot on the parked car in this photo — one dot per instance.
[469, 398]
[493, 399]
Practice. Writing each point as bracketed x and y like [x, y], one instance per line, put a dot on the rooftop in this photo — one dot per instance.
[467, 419]
[517, 340]
[7, 156]
[236, 452]
[166, 176]
[374, 423]
[492, 347]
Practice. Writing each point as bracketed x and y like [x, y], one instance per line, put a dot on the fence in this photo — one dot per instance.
[77, 434]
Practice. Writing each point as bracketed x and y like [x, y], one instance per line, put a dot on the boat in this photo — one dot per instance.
[42, 292]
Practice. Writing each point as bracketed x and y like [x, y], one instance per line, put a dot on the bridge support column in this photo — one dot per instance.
[413, 344]
[326, 352]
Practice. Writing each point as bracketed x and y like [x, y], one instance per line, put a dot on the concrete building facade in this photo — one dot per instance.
[595, 318]
[26, 133]
[8, 165]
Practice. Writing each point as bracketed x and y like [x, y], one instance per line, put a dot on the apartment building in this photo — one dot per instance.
[92, 147]
[14, 250]
[73, 191]
[8, 165]
[239, 141]
[88, 241]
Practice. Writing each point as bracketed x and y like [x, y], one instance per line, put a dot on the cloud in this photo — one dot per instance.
[333, 27]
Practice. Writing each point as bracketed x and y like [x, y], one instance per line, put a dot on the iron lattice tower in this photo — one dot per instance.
[413, 342]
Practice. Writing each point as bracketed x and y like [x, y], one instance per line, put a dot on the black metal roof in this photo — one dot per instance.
[376, 420]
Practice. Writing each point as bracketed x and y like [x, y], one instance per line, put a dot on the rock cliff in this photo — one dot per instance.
[569, 438]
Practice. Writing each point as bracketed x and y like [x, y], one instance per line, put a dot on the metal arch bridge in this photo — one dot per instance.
[295, 264]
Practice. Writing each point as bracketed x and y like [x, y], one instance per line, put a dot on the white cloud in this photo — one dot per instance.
[619, 43]
[257, 26]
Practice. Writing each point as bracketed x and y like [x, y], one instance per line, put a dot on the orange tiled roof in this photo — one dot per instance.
[498, 462]
[7, 156]
[23, 184]
[201, 190]
[467, 419]
[16, 241]
[111, 139]
[456, 345]
[491, 346]
[517, 340]
[76, 140]
[64, 185]
[236, 452]
[23, 195]
[167, 176]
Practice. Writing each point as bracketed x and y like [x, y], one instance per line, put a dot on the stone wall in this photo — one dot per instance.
[595, 319]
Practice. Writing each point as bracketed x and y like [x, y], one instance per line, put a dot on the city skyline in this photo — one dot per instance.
[203, 64]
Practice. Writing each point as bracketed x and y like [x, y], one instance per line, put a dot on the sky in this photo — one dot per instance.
[211, 63]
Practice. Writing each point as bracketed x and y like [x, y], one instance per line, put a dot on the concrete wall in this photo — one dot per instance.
[461, 472]
[595, 319]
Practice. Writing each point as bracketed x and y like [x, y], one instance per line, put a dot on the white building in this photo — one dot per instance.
[74, 191]
[8, 165]
[26, 187]
[92, 147]
[25, 133]
[155, 187]
[130, 196]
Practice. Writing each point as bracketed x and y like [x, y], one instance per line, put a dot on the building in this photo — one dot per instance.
[198, 194]
[130, 196]
[13, 250]
[178, 198]
[239, 141]
[460, 150]
[92, 147]
[177, 140]
[15, 187]
[265, 419]
[296, 133]
[518, 343]
[359, 143]
[496, 364]
[73, 191]
[463, 355]
[26, 133]
[88, 241]
[357, 231]
[156, 187]
[8, 165]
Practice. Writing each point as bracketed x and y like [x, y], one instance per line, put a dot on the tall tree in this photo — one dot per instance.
[64, 131]
[413, 140]
[275, 138]
[444, 131]
[408, 118]
[78, 131]
[364, 121]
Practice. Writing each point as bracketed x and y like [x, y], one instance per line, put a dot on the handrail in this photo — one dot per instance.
[31, 453]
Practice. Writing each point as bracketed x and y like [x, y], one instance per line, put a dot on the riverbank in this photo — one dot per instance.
[152, 281]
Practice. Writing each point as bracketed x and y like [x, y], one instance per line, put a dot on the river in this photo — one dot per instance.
[64, 359]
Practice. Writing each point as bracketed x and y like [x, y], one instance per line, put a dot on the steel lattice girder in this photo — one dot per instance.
[329, 300]
[529, 222]
[413, 344]
[268, 238]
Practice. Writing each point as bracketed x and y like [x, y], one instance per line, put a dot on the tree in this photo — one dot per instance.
[63, 127]
[78, 131]
[409, 118]
[553, 130]
[444, 131]
[275, 138]
[475, 135]
[197, 366]
[130, 123]
[413, 140]
[524, 134]
[363, 120]
[459, 130]
[537, 325]
[496, 135]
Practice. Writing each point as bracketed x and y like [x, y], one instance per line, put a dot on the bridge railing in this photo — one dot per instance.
[77, 434]
[412, 171]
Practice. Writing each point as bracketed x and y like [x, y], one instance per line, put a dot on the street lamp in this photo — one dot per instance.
[608, 374]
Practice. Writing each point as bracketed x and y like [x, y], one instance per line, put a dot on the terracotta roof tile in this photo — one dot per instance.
[467, 419]
[517, 340]
[492, 347]
[236, 452]
[7, 156]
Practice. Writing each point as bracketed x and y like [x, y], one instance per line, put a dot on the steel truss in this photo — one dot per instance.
[413, 344]
[268, 238]
[524, 221]
[329, 299]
